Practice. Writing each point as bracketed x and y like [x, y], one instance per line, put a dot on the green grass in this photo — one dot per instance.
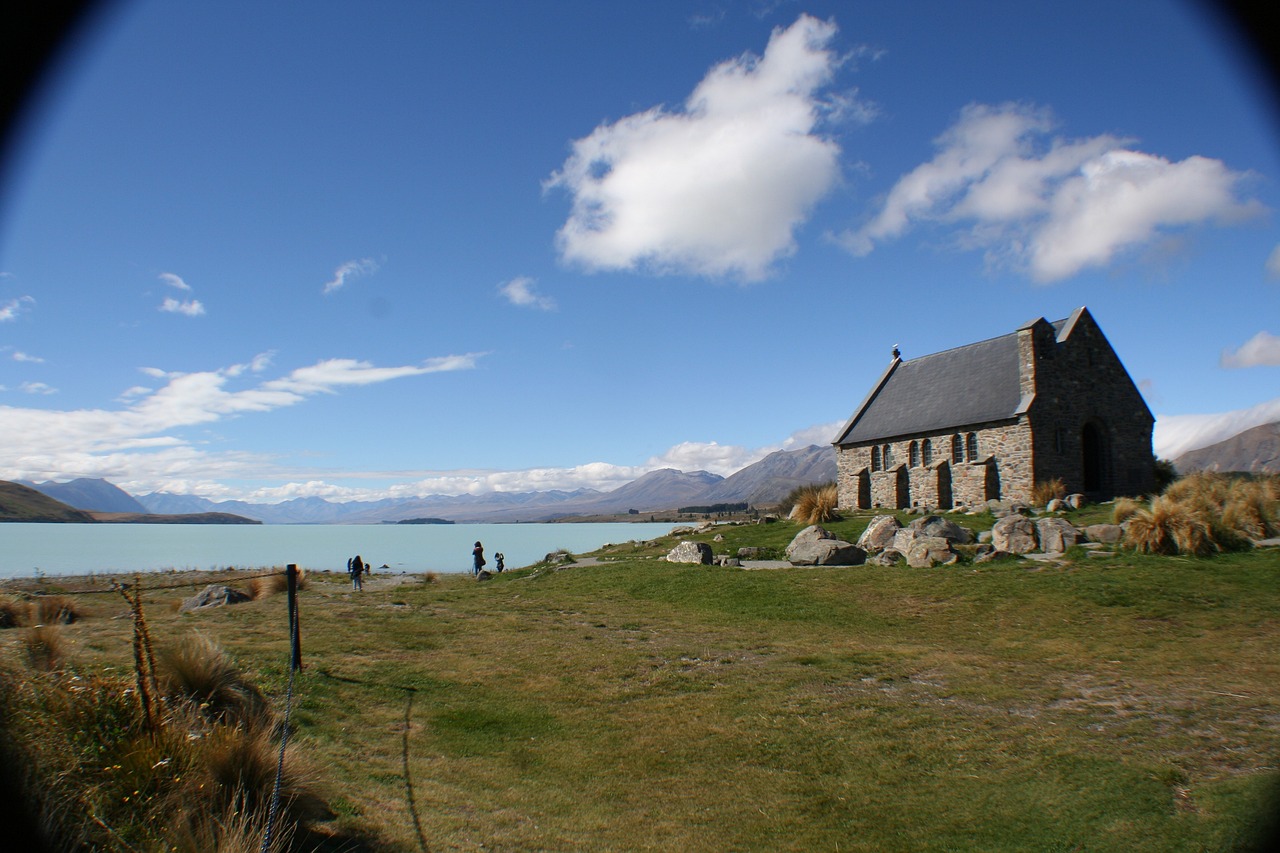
[1116, 703]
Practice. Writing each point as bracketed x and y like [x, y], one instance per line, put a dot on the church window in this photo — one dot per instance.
[926, 451]
[875, 458]
[957, 449]
[971, 446]
[914, 453]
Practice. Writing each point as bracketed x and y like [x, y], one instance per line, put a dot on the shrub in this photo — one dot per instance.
[1124, 510]
[1047, 490]
[1169, 527]
[815, 504]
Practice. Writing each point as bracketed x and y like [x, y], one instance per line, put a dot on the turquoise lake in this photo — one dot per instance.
[63, 549]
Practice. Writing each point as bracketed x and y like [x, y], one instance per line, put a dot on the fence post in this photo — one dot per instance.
[295, 630]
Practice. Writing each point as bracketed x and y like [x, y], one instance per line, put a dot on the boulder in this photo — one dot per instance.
[984, 536]
[887, 557]
[989, 556]
[936, 525]
[691, 552]
[1015, 534]
[826, 552]
[1056, 535]
[1107, 534]
[726, 560]
[751, 552]
[879, 533]
[1075, 501]
[928, 551]
[214, 596]
[1055, 505]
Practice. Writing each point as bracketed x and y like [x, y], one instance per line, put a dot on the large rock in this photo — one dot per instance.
[1015, 534]
[1075, 501]
[214, 596]
[887, 557]
[928, 551]
[817, 546]
[879, 533]
[691, 552]
[1107, 534]
[936, 525]
[1056, 535]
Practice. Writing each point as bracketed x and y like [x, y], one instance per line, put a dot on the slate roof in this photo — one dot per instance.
[948, 390]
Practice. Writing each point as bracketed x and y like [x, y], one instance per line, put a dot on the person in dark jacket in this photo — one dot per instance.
[477, 559]
[357, 569]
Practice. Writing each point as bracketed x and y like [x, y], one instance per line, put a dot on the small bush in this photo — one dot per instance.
[1124, 510]
[815, 504]
[430, 577]
[1047, 490]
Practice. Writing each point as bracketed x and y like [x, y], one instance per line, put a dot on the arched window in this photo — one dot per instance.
[957, 449]
[926, 451]
[875, 458]
[971, 446]
[913, 453]
[887, 453]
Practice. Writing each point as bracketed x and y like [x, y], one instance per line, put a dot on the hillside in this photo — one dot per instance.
[23, 503]
[1256, 451]
[93, 495]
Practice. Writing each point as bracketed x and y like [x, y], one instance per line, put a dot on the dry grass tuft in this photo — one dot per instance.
[56, 610]
[1047, 490]
[45, 647]
[13, 613]
[1201, 515]
[1124, 510]
[200, 673]
[274, 584]
[430, 577]
[816, 504]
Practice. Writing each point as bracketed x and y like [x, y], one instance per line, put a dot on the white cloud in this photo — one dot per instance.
[519, 291]
[191, 307]
[19, 355]
[1051, 207]
[139, 442]
[37, 388]
[174, 281]
[719, 187]
[1273, 263]
[12, 308]
[349, 270]
[1263, 349]
[1177, 434]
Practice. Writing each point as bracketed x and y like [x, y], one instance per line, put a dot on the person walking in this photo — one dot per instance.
[477, 559]
[357, 569]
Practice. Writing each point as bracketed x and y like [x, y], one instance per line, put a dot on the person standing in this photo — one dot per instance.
[357, 569]
[477, 559]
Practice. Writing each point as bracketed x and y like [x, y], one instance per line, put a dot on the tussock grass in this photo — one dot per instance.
[1047, 490]
[1124, 509]
[56, 610]
[814, 504]
[201, 674]
[1202, 514]
[45, 647]
[274, 584]
[13, 612]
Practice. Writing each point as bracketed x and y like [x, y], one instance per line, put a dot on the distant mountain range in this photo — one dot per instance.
[1255, 450]
[763, 483]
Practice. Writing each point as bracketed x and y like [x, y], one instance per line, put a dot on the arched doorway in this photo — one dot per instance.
[1093, 442]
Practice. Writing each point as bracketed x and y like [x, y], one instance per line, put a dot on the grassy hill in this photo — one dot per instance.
[20, 503]
[1116, 702]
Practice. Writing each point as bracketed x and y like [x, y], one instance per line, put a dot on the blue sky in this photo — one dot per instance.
[262, 250]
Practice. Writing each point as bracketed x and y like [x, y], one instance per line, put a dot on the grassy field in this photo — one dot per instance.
[1115, 702]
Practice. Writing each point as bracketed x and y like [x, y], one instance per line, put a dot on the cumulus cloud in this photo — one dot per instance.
[716, 188]
[37, 388]
[1177, 434]
[519, 291]
[1263, 349]
[1048, 206]
[189, 307]
[10, 309]
[350, 270]
[174, 281]
[141, 442]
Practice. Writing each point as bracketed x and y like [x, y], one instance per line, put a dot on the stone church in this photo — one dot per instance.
[991, 419]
